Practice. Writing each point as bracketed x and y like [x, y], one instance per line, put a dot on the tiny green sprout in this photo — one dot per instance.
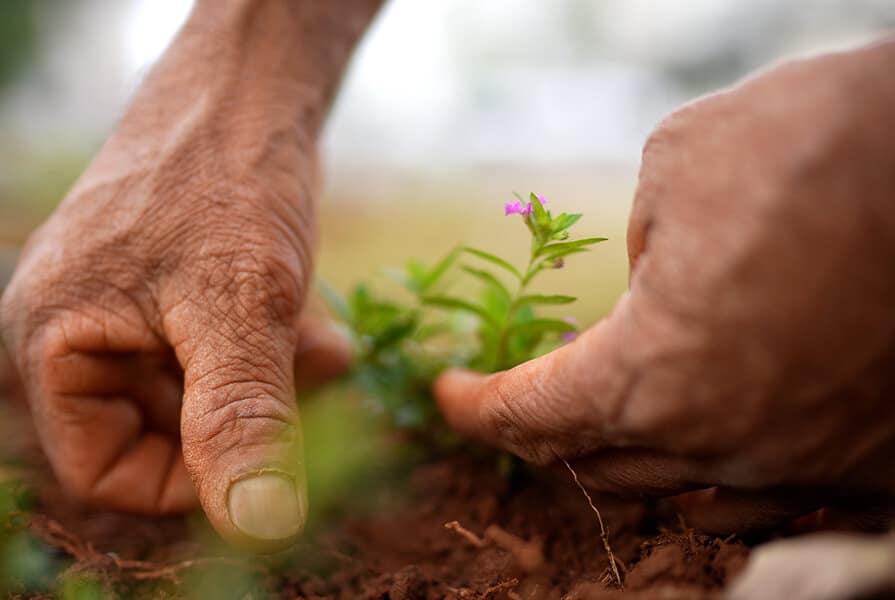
[402, 347]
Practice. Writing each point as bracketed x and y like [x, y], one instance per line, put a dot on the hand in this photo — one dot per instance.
[153, 284]
[755, 348]
[156, 318]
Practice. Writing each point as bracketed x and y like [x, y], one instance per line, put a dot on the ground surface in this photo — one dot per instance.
[455, 527]
[526, 540]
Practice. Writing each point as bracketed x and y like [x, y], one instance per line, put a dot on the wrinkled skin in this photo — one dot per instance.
[157, 318]
[755, 348]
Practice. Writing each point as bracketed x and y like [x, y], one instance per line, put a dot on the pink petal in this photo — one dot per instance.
[513, 208]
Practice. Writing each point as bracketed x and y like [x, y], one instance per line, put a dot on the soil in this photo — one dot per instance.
[452, 528]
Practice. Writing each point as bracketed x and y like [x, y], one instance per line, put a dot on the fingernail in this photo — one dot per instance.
[266, 507]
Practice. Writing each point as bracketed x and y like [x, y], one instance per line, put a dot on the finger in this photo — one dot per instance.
[151, 380]
[723, 510]
[872, 516]
[239, 426]
[558, 405]
[102, 452]
[639, 472]
[324, 352]
[103, 444]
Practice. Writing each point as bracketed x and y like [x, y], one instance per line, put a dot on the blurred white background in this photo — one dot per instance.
[447, 104]
[457, 81]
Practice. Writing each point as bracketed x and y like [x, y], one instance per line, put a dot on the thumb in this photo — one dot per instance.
[548, 408]
[239, 423]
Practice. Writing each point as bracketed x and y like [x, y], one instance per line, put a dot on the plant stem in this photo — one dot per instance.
[530, 272]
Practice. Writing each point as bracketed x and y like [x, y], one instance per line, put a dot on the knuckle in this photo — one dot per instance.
[509, 419]
[253, 282]
[244, 416]
[669, 131]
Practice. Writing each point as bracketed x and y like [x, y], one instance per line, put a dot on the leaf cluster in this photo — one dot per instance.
[402, 346]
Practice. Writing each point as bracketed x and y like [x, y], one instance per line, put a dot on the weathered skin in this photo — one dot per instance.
[755, 348]
[177, 268]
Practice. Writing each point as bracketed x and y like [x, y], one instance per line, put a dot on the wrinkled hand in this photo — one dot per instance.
[154, 284]
[140, 291]
[755, 348]
[156, 319]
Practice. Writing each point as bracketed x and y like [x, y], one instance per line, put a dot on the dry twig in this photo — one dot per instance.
[467, 534]
[529, 555]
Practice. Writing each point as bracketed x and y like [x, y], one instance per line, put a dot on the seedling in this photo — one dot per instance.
[402, 347]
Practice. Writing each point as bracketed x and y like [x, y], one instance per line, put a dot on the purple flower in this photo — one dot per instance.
[515, 208]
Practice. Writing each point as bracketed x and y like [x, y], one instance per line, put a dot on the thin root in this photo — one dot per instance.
[504, 586]
[89, 559]
[604, 534]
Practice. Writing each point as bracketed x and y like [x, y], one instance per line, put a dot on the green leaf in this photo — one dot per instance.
[394, 332]
[415, 276]
[541, 216]
[459, 304]
[564, 221]
[336, 301]
[559, 249]
[542, 326]
[438, 270]
[496, 303]
[541, 299]
[523, 314]
[493, 259]
[489, 280]
[548, 263]
[360, 300]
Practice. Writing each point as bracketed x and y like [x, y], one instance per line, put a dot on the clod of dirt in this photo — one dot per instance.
[690, 558]
[593, 591]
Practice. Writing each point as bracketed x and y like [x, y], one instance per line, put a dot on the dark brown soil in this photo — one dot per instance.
[452, 528]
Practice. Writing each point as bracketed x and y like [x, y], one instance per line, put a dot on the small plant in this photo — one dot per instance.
[402, 347]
